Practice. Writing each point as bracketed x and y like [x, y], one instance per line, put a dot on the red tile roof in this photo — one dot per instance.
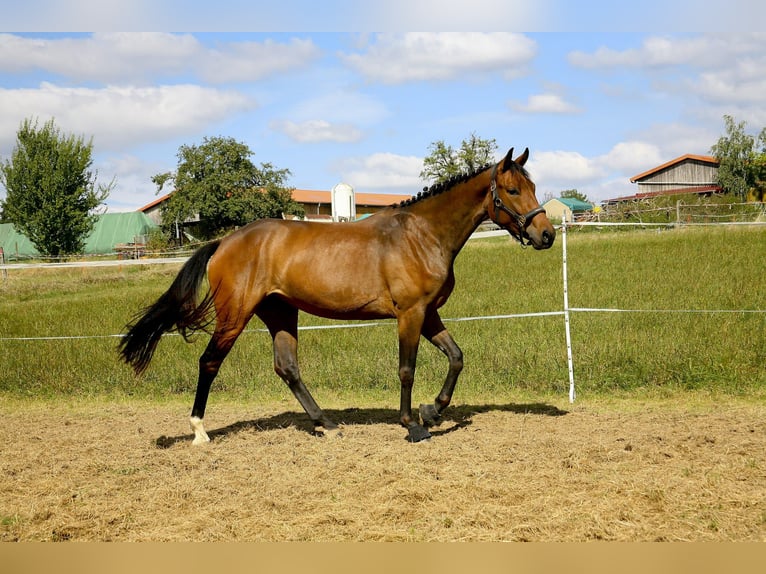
[678, 191]
[318, 196]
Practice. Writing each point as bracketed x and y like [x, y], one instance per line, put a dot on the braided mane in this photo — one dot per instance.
[448, 184]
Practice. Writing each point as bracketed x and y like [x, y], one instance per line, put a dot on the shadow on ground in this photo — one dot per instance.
[460, 417]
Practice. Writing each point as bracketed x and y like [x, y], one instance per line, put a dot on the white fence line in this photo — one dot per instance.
[102, 263]
[301, 328]
[568, 336]
[672, 224]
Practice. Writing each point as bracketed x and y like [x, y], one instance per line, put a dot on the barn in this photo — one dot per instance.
[687, 174]
[566, 208]
[316, 203]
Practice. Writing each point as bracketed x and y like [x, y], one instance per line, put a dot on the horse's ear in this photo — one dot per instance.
[508, 160]
[522, 159]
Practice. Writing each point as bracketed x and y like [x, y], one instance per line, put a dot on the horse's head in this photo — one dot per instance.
[513, 205]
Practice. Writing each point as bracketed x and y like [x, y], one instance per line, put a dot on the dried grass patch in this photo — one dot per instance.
[127, 472]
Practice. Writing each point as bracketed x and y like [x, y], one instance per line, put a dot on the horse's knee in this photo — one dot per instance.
[407, 375]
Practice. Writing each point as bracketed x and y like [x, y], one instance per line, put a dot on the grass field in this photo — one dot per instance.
[681, 270]
[666, 441]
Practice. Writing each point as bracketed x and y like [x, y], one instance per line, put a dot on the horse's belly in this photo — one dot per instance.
[338, 303]
[338, 310]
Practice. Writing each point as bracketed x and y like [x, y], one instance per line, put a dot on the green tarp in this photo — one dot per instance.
[575, 204]
[14, 244]
[115, 228]
[111, 229]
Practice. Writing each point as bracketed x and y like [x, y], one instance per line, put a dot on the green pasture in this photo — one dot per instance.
[665, 351]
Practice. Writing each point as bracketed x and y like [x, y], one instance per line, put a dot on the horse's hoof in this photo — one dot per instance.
[200, 436]
[332, 433]
[429, 415]
[418, 433]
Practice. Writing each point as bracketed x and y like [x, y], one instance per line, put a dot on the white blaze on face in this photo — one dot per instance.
[200, 436]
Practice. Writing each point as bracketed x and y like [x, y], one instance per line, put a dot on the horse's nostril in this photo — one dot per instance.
[547, 237]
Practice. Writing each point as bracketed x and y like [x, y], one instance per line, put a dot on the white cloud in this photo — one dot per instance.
[563, 168]
[657, 51]
[315, 131]
[133, 185]
[338, 115]
[732, 86]
[630, 157]
[675, 139]
[249, 61]
[119, 116]
[136, 57]
[399, 58]
[341, 106]
[545, 104]
[599, 177]
[384, 172]
[718, 69]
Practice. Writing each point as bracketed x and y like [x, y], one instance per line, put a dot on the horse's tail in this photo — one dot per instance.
[176, 310]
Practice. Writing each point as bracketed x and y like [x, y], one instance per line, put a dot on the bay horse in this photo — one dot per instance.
[397, 263]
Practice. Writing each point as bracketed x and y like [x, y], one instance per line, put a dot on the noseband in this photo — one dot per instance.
[522, 221]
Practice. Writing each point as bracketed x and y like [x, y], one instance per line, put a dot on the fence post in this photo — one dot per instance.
[570, 365]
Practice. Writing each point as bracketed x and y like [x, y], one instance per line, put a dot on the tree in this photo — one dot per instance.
[51, 190]
[445, 162]
[217, 181]
[574, 194]
[741, 166]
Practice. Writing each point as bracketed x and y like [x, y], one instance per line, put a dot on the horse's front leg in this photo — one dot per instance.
[434, 331]
[409, 338]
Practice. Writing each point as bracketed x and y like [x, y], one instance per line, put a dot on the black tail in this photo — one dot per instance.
[177, 309]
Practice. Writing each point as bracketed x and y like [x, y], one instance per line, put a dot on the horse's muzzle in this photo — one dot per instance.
[543, 240]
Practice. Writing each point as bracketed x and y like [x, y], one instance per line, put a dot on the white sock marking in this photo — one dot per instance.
[200, 436]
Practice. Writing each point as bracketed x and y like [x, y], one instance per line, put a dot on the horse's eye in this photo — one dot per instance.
[513, 191]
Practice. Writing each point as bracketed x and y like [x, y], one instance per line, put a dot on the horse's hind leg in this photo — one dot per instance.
[434, 331]
[227, 329]
[281, 318]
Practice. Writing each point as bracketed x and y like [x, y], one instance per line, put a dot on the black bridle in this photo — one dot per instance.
[522, 221]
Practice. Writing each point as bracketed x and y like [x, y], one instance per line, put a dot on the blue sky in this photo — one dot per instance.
[595, 107]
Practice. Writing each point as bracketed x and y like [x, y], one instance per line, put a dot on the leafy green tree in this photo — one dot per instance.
[445, 162]
[217, 181]
[574, 194]
[741, 168]
[51, 190]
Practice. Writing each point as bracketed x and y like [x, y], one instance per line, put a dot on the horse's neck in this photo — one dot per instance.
[453, 215]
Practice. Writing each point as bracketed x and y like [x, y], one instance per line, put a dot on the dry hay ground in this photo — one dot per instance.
[615, 470]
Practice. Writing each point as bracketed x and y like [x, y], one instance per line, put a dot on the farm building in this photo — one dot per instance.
[317, 204]
[111, 231]
[566, 208]
[697, 174]
[14, 243]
